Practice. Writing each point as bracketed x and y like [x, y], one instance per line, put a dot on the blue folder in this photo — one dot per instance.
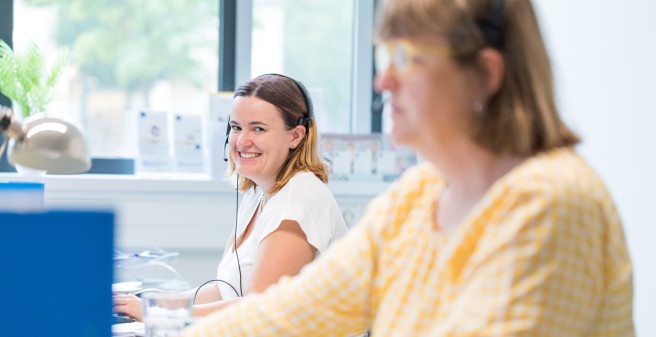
[56, 272]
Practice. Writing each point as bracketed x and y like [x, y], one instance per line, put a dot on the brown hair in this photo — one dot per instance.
[521, 118]
[283, 93]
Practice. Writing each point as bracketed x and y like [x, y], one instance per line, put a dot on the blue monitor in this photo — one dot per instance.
[56, 272]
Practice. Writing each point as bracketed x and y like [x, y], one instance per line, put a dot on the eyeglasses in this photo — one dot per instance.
[402, 53]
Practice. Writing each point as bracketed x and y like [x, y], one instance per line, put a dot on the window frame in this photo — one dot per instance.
[6, 33]
[234, 55]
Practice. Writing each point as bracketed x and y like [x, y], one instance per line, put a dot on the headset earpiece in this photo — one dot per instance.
[308, 102]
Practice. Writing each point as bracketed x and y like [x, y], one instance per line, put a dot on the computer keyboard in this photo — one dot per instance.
[118, 318]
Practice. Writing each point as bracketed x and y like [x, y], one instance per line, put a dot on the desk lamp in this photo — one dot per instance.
[44, 143]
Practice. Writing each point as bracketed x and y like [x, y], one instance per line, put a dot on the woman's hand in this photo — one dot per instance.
[128, 304]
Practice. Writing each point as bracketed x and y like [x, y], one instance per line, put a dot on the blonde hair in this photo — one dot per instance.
[521, 118]
[283, 93]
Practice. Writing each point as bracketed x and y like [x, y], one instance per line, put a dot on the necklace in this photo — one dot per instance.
[261, 205]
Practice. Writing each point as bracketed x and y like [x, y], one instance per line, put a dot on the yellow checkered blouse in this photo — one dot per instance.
[542, 254]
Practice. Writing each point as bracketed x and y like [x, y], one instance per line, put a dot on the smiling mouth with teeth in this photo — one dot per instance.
[249, 155]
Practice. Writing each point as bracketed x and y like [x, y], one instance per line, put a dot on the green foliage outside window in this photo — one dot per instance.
[132, 44]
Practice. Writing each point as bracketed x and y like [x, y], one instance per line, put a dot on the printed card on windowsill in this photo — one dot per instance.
[153, 138]
[188, 143]
[370, 157]
[362, 162]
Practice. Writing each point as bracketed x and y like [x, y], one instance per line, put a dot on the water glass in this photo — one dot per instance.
[166, 314]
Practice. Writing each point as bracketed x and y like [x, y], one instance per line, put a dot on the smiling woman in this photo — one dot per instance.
[287, 216]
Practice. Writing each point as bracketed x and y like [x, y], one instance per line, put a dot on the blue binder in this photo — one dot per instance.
[56, 273]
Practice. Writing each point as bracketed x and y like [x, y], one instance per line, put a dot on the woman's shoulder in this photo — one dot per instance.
[305, 191]
[423, 172]
[554, 169]
[415, 181]
[308, 201]
[413, 188]
[305, 183]
[558, 177]
[306, 177]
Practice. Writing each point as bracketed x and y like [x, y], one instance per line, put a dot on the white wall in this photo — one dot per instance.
[604, 56]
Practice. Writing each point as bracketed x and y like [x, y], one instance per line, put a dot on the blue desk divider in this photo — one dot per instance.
[56, 274]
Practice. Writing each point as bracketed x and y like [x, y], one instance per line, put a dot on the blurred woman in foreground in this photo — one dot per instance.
[505, 231]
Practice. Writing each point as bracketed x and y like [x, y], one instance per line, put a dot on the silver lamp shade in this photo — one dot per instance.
[55, 145]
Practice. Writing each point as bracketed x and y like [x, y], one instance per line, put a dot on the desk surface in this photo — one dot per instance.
[128, 329]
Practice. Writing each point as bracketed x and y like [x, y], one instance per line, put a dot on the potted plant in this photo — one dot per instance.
[28, 83]
[26, 80]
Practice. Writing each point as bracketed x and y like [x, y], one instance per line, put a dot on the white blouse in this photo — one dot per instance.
[304, 199]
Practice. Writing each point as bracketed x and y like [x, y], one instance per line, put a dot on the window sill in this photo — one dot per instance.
[168, 184]
[123, 183]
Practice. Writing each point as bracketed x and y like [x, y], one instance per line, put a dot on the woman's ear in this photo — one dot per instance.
[491, 62]
[298, 133]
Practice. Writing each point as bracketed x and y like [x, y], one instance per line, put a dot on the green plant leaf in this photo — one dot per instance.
[25, 79]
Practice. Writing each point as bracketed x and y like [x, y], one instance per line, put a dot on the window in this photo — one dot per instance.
[125, 56]
[311, 41]
[128, 55]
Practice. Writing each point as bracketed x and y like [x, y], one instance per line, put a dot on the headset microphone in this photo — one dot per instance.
[225, 144]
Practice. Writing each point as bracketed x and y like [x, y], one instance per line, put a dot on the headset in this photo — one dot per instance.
[492, 26]
[301, 121]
